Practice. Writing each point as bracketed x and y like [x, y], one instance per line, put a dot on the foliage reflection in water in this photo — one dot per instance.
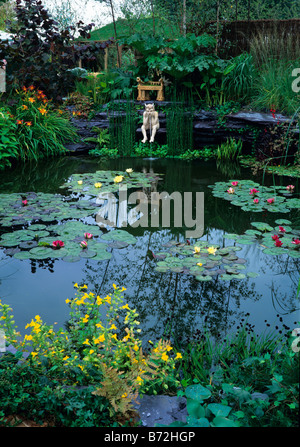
[170, 303]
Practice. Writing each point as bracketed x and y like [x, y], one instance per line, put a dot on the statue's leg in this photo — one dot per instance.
[144, 134]
[154, 129]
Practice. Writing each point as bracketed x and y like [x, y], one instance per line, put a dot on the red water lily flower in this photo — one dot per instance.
[271, 200]
[282, 230]
[253, 191]
[278, 243]
[275, 237]
[24, 202]
[58, 244]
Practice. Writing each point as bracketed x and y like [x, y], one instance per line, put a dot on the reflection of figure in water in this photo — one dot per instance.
[150, 122]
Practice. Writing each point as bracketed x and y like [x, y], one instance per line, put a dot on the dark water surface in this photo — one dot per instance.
[164, 301]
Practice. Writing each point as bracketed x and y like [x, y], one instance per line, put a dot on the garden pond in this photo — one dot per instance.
[245, 267]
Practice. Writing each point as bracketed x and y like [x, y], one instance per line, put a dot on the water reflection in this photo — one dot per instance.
[167, 303]
[178, 304]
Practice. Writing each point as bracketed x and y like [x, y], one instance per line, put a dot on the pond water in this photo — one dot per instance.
[166, 301]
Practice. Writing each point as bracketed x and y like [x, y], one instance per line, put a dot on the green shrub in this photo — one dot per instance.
[9, 144]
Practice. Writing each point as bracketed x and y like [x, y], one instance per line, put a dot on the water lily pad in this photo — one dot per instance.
[28, 244]
[102, 256]
[283, 222]
[119, 235]
[161, 269]
[22, 255]
[71, 258]
[204, 278]
[274, 251]
[88, 254]
[262, 226]
[245, 241]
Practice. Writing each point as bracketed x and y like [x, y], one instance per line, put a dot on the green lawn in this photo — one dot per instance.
[125, 28]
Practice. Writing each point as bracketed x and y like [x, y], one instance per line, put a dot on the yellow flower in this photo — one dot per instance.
[79, 182]
[164, 357]
[99, 325]
[86, 342]
[196, 249]
[31, 100]
[135, 348]
[118, 178]
[66, 357]
[113, 327]
[114, 336]
[114, 286]
[139, 380]
[169, 348]
[76, 285]
[34, 354]
[99, 300]
[212, 250]
[125, 306]
[91, 351]
[100, 339]
[28, 337]
[178, 356]
[199, 263]
[85, 319]
[124, 395]
[108, 299]
[98, 185]
[68, 301]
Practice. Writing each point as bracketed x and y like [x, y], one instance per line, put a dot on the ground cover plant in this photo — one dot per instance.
[245, 380]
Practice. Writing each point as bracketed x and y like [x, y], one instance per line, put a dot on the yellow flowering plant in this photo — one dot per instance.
[101, 345]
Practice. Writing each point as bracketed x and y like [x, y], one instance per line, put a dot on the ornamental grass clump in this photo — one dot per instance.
[100, 347]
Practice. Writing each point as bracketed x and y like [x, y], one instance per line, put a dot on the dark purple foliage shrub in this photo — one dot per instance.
[40, 54]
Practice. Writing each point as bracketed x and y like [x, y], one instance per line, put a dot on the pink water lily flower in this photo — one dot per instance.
[282, 230]
[256, 200]
[290, 188]
[234, 183]
[296, 241]
[83, 244]
[253, 191]
[24, 202]
[230, 191]
[272, 200]
[58, 244]
[88, 235]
